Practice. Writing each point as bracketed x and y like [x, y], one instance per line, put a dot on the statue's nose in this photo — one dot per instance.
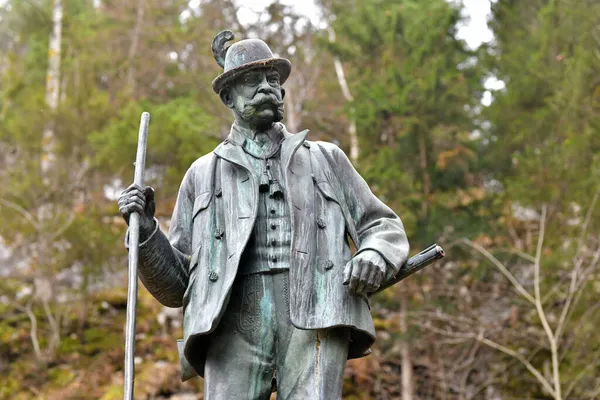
[264, 87]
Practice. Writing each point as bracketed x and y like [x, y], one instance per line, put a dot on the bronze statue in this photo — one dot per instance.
[258, 252]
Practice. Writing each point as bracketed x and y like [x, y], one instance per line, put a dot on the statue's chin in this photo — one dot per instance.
[263, 119]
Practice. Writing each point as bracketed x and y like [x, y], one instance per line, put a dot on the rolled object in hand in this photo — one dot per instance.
[414, 264]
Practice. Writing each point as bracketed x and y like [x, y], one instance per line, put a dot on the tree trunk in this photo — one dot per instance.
[41, 252]
[133, 47]
[407, 367]
[426, 178]
[292, 115]
[52, 90]
[339, 71]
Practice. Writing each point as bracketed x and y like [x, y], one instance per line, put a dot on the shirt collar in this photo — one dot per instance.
[239, 134]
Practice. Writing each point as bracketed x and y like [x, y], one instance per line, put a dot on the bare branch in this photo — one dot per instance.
[470, 360]
[523, 361]
[26, 214]
[594, 395]
[33, 330]
[522, 254]
[490, 343]
[63, 228]
[586, 222]
[576, 380]
[540, 308]
[567, 306]
[502, 269]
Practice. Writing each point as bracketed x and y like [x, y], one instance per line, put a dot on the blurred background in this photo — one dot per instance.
[477, 121]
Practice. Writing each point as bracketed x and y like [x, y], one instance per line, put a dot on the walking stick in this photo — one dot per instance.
[134, 236]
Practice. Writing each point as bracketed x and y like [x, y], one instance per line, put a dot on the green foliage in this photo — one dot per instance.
[410, 106]
[179, 133]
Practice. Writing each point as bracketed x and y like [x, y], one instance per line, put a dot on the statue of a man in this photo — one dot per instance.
[258, 248]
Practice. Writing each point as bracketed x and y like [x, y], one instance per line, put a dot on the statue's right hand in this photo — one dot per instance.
[141, 201]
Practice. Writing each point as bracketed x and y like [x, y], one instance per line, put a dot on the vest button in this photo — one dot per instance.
[273, 242]
[213, 276]
[321, 223]
[273, 226]
[274, 259]
[272, 210]
[328, 264]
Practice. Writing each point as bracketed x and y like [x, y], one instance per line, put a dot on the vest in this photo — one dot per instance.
[269, 246]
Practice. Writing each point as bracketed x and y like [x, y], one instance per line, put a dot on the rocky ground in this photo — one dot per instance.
[88, 363]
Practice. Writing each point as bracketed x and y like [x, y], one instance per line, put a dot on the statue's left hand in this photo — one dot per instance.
[365, 273]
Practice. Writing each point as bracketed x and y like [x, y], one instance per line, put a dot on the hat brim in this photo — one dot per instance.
[282, 65]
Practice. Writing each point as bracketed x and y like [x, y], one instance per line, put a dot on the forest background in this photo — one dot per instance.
[509, 188]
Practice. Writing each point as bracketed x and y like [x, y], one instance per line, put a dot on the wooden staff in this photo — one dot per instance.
[134, 241]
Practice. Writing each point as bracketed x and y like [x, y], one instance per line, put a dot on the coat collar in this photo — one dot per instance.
[231, 148]
[239, 135]
[290, 144]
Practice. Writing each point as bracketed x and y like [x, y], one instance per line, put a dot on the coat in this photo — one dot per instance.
[195, 266]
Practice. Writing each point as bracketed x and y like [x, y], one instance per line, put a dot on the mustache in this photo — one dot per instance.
[250, 108]
[263, 99]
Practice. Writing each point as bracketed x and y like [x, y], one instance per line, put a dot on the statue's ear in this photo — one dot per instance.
[282, 93]
[226, 97]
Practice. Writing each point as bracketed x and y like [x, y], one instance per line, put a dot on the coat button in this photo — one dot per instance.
[219, 234]
[213, 276]
[321, 223]
[328, 264]
[219, 192]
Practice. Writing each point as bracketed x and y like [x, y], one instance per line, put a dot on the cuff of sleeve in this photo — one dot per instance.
[390, 271]
[145, 241]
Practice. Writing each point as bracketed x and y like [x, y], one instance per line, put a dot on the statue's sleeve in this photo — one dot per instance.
[164, 261]
[377, 226]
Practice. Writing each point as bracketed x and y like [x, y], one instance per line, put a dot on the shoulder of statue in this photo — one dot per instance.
[202, 165]
[331, 149]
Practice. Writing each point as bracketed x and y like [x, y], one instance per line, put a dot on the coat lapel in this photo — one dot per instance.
[239, 197]
[290, 145]
[234, 154]
[300, 195]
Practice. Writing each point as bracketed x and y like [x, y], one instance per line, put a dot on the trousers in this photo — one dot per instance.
[256, 349]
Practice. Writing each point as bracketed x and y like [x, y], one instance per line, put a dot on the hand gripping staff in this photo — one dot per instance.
[134, 242]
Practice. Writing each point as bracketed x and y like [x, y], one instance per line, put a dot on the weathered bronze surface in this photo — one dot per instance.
[258, 253]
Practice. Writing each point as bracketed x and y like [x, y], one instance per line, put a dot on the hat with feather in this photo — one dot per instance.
[243, 56]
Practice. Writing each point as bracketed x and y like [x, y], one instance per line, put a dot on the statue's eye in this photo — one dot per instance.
[273, 80]
[252, 79]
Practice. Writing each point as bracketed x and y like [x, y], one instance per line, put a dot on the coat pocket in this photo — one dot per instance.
[199, 218]
[201, 203]
[327, 190]
[191, 275]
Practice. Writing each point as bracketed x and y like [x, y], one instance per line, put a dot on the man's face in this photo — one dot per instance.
[257, 98]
